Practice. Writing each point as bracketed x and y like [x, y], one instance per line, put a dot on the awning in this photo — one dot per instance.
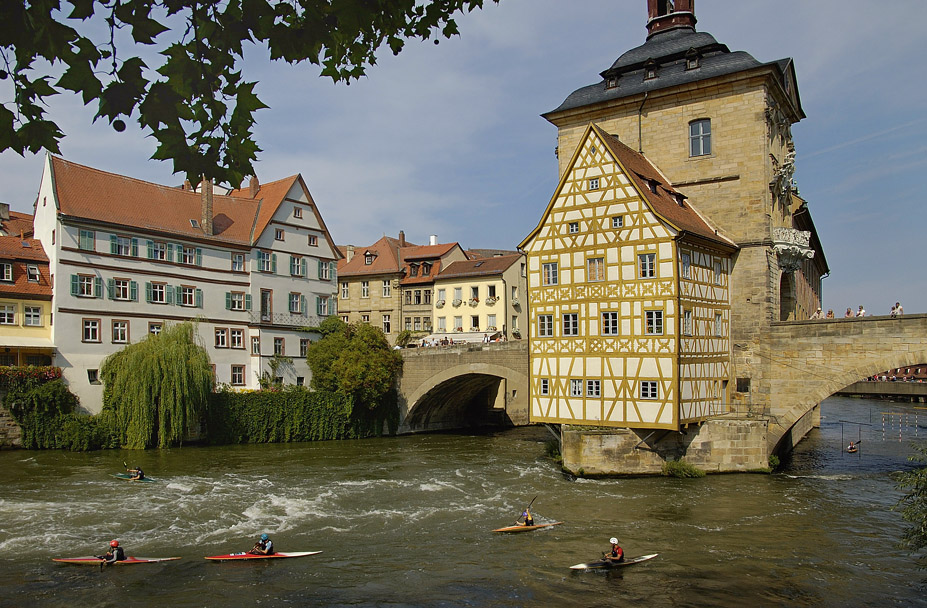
[26, 341]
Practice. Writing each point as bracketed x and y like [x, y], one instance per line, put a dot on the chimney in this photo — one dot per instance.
[186, 185]
[349, 252]
[433, 239]
[402, 238]
[254, 186]
[663, 15]
[206, 205]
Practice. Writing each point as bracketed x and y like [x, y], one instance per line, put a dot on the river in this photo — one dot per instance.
[406, 522]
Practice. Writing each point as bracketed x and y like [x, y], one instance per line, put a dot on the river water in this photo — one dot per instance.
[406, 522]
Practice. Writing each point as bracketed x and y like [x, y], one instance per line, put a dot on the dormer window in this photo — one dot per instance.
[195, 223]
[413, 270]
[650, 69]
[368, 258]
[32, 272]
[652, 184]
[426, 269]
[680, 199]
[693, 60]
[611, 83]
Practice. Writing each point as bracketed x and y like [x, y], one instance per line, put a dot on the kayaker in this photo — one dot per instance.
[137, 474]
[616, 553]
[114, 554]
[265, 546]
[529, 520]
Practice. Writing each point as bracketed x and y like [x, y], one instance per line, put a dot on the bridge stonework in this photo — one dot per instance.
[464, 386]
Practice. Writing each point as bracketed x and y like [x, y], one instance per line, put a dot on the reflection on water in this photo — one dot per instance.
[406, 522]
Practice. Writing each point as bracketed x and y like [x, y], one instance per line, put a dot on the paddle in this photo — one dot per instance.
[528, 507]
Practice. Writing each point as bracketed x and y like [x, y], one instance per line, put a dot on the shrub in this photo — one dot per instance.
[682, 469]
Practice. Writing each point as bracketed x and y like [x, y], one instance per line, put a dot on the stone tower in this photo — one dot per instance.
[717, 123]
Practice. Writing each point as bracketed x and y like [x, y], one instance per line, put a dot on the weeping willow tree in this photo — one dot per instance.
[158, 387]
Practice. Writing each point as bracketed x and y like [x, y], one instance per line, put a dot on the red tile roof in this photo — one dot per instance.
[23, 252]
[19, 224]
[480, 266]
[664, 201]
[385, 259]
[426, 252]
[88, 193]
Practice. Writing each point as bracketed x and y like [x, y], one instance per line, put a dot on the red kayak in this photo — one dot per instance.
[242, 556]
[521, 528]
[96, 561]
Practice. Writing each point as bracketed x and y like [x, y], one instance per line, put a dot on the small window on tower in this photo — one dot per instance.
[594, 183]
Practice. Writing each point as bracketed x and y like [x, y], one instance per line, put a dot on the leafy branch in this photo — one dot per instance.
[195, 104]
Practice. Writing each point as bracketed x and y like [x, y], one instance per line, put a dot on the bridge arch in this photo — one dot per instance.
[464, 387]
[811, 360]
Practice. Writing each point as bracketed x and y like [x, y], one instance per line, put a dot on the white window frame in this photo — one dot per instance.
[598, 266]
[576, 387]
[646, 265]
[610, 323]
[594, 388]
[719, 325]
[687, 322]
[653, 322]
[545, 386]
[545, 326]
[700, 137]
[549, 273]
[120, 332]
[570, 324]
[387, 288]
[686, 261]
[345, 290]
[365, 289]
[617, 221]
[7, 314]
[236, 338]
[593, 183]
[32, 316]
[238, 262]
[649, 389]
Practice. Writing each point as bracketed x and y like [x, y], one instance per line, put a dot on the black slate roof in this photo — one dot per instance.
[668, 50]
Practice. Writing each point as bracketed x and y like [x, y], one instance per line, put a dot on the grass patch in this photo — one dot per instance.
[682, 469]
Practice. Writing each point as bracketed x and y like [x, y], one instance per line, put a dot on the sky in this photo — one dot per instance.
[447, 139]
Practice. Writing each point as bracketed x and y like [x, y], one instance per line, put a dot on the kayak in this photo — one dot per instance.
[520, 528]
[128, 477]
[96, 561]
[244, 556]
[608, 563]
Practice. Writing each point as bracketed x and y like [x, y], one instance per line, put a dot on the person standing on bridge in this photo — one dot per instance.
[899, 311]
[830, 313]
[848, 313]
[861, 312]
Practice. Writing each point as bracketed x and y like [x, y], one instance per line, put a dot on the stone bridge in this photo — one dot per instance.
[800, 363]
[464, 386]
[809, 361]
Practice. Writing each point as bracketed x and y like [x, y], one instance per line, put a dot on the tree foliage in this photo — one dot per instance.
[354, 360]
[192, 97]
[913, 504]
[157, 388]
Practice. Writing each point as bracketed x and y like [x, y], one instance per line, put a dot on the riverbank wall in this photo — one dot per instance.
[729, 444]
[11, 434]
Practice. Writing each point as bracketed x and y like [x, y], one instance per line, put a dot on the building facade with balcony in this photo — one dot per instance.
[253, 267]
[421, 266]
[481, 298]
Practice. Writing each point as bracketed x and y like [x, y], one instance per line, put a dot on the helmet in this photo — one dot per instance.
[264, 537]
[613, 540]
[524, 514]
[114, 543]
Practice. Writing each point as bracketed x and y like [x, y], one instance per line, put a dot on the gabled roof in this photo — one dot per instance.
[479, 267]
[385, 259]
[22, 252]
[663, 200]
[667, 50]
[238, 218]
[422, 254]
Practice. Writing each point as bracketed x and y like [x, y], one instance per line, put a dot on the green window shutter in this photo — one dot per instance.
[199, 256]
[273, 263]
[293, 263]
[97, 287]
[304, 268]
[169, 294]
[147, 291]
[134, 248]
[331, 271]
[228, 300]
[198, 298]
[75, 285]
[170, 252]
[150, 250]
[179, 253]
[247, 301]
[178, 293]
[320, 269]
[113, 244]
[318, 305]
[303, 309]
[133, 291]
[111, 288]
[333, 306]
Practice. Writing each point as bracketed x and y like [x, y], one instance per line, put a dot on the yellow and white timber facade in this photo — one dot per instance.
[629, 304]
